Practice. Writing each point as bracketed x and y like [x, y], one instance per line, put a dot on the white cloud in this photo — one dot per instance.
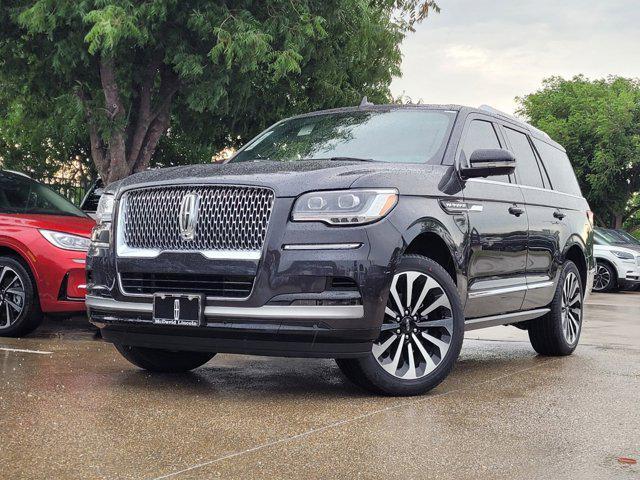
[467, 56]
[479, 51]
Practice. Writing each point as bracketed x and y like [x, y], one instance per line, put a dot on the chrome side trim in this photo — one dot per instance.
[266, 311]
[540, 285]
[497, 291]
[505, 319]
[503, 290]
[322, 246]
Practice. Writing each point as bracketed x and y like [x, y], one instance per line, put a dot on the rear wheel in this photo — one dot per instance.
[558, 332]
[19, 305]
[163, 361]
[605, 279]
[421, 334]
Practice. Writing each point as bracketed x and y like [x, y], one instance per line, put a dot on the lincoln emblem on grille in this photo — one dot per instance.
[176, 309]
[188, 218]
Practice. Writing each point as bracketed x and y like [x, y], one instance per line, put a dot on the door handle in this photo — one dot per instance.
[515, 210]
[559, 215]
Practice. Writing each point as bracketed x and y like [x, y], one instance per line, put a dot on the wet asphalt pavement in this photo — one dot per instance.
[71, 407]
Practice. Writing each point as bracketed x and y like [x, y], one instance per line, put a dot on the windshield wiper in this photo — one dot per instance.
[348, 159]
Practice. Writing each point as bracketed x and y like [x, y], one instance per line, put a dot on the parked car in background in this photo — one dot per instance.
[43, 244]
[89, 203]
[617, 262]
[373, 235]
[625, 237]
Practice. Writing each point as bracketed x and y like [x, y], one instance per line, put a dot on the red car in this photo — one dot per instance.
[43, 244]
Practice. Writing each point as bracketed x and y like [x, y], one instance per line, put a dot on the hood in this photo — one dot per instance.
[290, 179]
[630, 246]
[626, 248]
[58, 223]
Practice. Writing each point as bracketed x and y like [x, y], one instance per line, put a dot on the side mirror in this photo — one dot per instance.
[488, 162]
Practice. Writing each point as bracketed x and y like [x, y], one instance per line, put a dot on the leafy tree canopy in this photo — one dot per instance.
[598, 122]
[125, 81]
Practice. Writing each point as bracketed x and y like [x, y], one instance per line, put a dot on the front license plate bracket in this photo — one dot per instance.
[184, 310]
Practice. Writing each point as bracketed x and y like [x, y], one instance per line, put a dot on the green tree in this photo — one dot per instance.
[183, 76]
[632, 222]
[598, 122]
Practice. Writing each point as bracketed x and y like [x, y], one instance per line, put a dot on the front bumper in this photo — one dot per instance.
[285, 330]
[628, 273]
[292, 309]
[60, 277]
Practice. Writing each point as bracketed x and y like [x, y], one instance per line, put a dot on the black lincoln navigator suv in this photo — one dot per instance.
[374, 235]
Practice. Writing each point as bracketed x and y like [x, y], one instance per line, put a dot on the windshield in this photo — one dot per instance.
[22, 195]
[394, 136]
[624, 237]
[603, 237]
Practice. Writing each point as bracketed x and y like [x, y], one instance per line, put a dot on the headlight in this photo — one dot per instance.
[623, 255]
[101, 235]
[66, 241]
[344, 207]
[105, 208]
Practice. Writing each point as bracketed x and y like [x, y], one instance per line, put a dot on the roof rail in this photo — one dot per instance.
[513, 118]
[14, 172]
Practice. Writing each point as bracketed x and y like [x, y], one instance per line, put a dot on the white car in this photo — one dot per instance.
[618, 266]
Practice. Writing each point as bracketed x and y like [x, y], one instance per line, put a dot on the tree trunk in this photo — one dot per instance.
[116, 150]
[129, 144]
[617, 221]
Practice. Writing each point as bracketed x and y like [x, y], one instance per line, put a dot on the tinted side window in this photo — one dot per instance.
[481, 134]
[14, 194]
[19, 195]
[527, 170]
[563, 179]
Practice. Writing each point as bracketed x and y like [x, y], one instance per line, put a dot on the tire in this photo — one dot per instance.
[163, 361]
[558, 332]
[605, 279]
[19, 301]
[404, 361]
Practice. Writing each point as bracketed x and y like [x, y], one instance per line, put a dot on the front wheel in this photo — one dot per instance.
[19, 306]
[163, 361]
[605, 279]
[421, 334]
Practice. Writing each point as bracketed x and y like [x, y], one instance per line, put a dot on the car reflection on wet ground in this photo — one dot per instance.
[71, 407]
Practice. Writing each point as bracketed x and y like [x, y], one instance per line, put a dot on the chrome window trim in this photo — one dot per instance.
[266, 311]
[517, 185]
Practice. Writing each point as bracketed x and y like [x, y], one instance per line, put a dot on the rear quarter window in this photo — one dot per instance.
[556, 162]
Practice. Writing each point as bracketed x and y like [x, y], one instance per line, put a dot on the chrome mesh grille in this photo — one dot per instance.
[230, 218]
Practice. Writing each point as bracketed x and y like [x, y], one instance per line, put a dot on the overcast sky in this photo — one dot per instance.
[489, 51]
